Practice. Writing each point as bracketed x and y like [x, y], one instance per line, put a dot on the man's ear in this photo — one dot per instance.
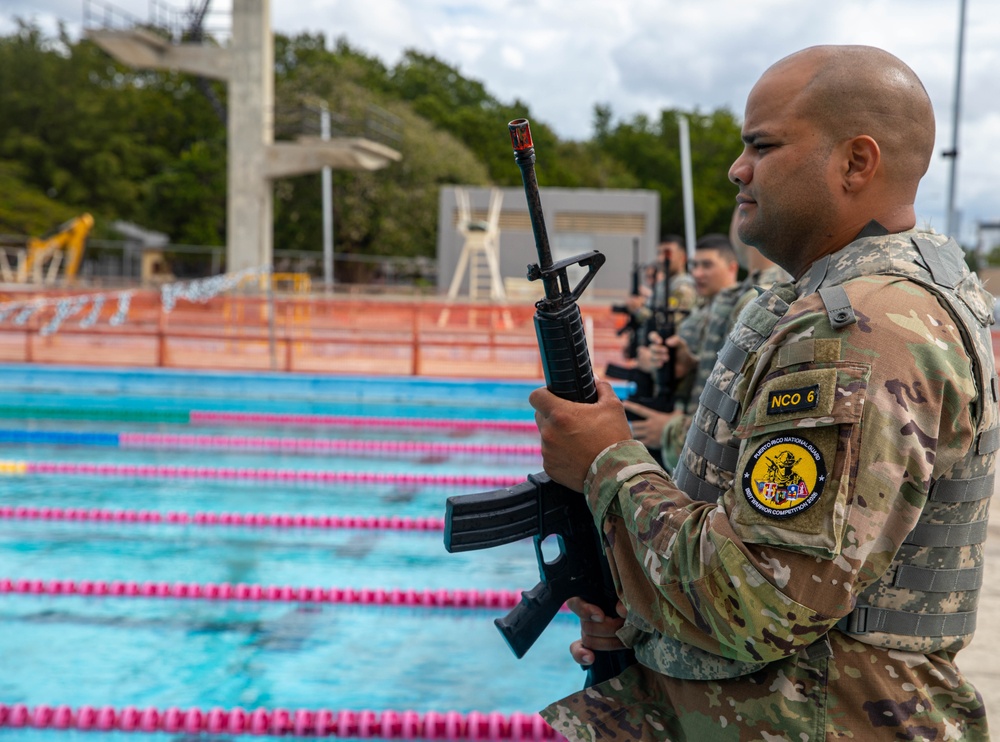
[862, 157]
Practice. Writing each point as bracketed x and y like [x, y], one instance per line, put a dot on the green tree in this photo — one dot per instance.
[650, 150]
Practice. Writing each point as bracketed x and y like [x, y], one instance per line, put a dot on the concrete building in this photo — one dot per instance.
[577, 221]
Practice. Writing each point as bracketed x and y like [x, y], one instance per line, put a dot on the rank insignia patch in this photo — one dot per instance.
[784, 476]
[793, 400]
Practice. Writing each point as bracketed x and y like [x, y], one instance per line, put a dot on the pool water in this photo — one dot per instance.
[163, 652]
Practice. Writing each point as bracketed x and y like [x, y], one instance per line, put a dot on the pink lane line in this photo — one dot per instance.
[264, 593]
[272, 475]
[310, 445]
[431, 725]
[269, 418]
[278, 520]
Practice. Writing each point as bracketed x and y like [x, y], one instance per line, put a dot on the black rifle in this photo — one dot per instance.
[633, 326]
[664, 324]
[540, 507]
[655, 391]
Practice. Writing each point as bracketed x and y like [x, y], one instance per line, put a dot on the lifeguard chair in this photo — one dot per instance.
[480, 257]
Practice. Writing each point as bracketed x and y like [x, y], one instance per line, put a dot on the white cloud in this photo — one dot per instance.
[644, 55]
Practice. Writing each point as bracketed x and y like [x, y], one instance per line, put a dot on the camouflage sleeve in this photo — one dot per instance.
[767, 570]
[672, 439]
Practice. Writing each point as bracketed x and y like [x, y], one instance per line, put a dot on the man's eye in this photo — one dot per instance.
[760, 147]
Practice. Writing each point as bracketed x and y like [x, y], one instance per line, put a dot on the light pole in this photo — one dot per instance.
[952, 153]
[324, 125]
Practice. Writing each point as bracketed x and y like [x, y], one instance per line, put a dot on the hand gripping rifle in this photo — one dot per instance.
[540, 507]
[660, 396]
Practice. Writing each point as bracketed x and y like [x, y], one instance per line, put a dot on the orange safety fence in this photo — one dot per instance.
[314, 334]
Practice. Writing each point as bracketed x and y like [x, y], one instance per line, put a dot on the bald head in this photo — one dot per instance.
[861, 90]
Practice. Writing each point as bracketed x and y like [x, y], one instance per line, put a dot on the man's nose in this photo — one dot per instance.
[740, 171]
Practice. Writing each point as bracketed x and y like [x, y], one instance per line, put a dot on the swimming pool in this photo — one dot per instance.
[240, 541]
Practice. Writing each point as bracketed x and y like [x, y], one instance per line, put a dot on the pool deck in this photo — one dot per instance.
[980, 661]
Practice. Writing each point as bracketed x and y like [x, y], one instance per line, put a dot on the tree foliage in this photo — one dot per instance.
[82, 133]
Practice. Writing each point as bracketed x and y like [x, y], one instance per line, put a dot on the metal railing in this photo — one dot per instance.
[173, 23]
[304, 119]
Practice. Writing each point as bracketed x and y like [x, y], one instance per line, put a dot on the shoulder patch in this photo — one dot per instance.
[784, 476]
[792, 400]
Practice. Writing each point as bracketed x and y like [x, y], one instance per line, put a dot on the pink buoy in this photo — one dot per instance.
[41, 717]
[497, 726]
[345, 724]
[193, 721]
[62, 717]
[411, 725]
[390, 726]
[216, 721]
[129, 718]
[106, 719]
[323, 723]
[237, 722]
[433, 725]
[454, 726]
[173, 720]
[149, 720]
[281, 721]
[367, 724]
[86, 717]
[476, 726]
[302, 723]
[258, 722]
[520, 726]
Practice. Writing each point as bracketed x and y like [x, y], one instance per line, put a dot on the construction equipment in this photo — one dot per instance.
[41, 260]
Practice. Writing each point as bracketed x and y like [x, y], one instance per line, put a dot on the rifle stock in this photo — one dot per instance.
[539, 507]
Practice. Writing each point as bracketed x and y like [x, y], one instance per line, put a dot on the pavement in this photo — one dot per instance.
[980, 661]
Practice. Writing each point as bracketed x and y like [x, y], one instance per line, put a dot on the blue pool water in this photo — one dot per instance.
[143, 652]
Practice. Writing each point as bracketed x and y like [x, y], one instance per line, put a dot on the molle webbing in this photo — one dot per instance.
[694, 486]
[865, 619]
[933, 580]
[948, 534]
[962, 490]
[756, 323]
[721, 403]
[701, 443]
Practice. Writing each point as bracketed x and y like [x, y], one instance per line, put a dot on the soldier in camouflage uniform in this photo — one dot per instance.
[671, 278]
[814, 566]
[666, 432]
[691, 349]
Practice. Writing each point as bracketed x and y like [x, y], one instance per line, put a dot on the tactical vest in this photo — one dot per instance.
[926, 600]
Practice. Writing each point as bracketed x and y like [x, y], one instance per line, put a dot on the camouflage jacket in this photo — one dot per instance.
[838, 423]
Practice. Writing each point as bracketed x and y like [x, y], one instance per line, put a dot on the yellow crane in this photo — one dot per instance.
[62, 247]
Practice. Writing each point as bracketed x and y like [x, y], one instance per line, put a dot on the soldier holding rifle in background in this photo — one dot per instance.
[828, 602]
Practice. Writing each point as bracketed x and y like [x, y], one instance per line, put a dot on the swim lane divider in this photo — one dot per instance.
[264, 593]
[273, 520]
[276, 418]
[258, 443]
[431, 725]
[163, 471]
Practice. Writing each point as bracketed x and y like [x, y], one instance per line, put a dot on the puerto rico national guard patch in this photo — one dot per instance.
[784, 476]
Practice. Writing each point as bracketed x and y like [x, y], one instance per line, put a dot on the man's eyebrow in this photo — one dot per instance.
[751, 136]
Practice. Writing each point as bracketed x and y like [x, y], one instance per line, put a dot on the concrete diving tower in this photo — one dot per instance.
[254, 158]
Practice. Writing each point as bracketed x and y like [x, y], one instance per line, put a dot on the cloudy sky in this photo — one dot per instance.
[638, 56]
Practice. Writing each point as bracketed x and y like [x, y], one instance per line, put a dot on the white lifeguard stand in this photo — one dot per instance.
[480, 256]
